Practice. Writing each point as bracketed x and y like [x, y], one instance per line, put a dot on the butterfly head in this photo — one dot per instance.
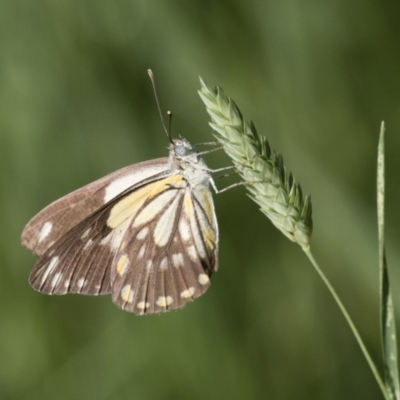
[182, 151]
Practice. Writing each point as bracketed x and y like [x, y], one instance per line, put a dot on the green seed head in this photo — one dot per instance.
[271, 186]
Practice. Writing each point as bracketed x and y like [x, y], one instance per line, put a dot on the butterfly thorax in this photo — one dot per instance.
[186, 161]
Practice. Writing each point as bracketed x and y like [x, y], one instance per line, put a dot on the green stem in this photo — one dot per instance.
[351, 324]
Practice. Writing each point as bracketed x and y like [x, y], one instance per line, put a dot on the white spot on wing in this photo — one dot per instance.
[81, 283]
[105, 239]
[154, 208]
[52, 264]
[86, 233]
[164, 301]
[45, 231]
[165, 225]
[187, 293]
[149, 265]
[142, 305]
[164, 264]
[142, 233]
[184, 230]
[57, 276]
[118, 234]
[142, 250]
[203, 279]
[192, 253]
[197, 236]
[119, 185]
[177, 260]
[87, 244]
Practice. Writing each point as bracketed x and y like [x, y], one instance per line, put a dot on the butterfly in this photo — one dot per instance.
[147, 234]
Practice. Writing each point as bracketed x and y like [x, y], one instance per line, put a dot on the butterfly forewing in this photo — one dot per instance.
[59, 217]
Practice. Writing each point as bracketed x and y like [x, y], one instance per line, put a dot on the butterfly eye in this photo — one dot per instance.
[182, 151]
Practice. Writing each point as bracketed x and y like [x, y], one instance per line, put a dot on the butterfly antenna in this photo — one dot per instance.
[153, 83]
[169, 113]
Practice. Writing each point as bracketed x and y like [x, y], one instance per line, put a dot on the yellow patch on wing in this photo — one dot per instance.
[208, 227]
[129, 205]
[207, 204]
[127, 294]
[188, 204]
[122, 264]
[209, 237]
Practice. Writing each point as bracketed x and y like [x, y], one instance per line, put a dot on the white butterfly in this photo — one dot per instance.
[147, 234]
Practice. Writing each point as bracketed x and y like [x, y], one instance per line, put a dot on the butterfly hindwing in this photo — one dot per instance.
[78, 262]
[59, 217]
[166, 260]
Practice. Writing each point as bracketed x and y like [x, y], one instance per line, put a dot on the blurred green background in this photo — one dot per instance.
[316, 77]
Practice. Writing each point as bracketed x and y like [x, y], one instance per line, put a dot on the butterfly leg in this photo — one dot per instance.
[217, 191]
[236, 184]
[208, 144]
[202, 153]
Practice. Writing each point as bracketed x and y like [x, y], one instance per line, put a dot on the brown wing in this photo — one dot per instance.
[54, 221]
[80, 260]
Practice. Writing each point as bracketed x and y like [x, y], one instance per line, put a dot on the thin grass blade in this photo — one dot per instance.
[388, 327]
